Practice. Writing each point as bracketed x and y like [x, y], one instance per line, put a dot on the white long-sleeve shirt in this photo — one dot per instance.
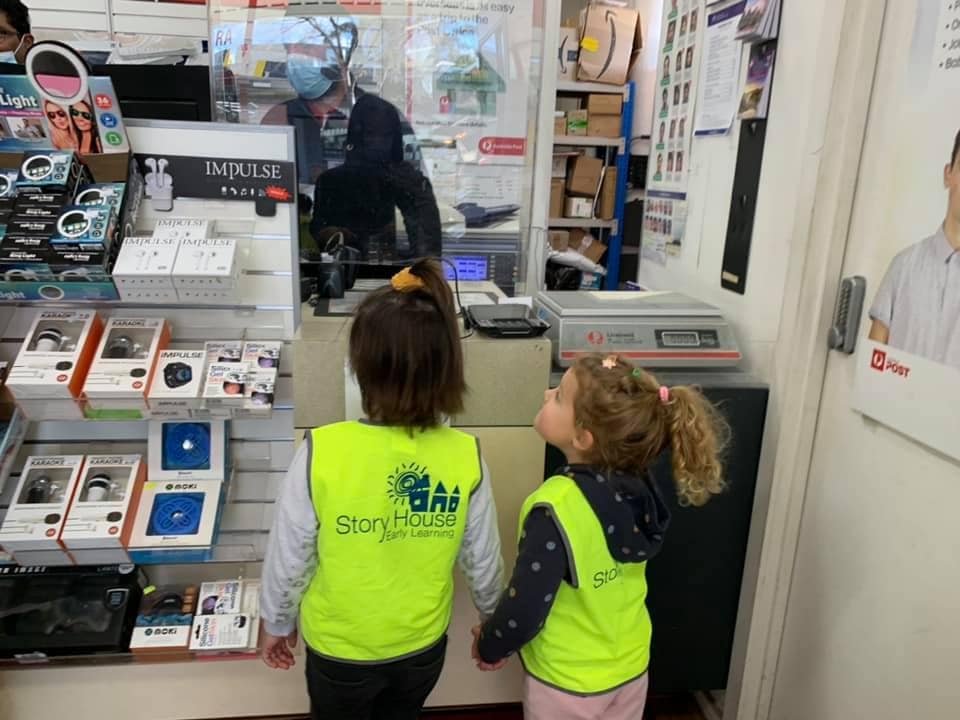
[291, 558]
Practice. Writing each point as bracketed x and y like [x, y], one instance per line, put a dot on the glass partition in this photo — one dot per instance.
[415, 122]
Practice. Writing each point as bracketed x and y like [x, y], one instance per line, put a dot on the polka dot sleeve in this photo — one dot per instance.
[523, 609]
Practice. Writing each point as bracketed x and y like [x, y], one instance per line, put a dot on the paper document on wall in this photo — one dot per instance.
[720, 83]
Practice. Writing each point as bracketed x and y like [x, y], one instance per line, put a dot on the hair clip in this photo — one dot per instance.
[664, 394]
[610, 362]
[637, 372]
[405, 281]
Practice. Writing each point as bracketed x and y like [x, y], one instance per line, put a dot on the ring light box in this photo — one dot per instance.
[84, 227]
[56, 356]
[38, 512]
[50, 172]
[100, 520]
[194, 450]
[125, 361]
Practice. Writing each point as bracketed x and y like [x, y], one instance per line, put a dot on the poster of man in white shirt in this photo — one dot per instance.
[917, 307]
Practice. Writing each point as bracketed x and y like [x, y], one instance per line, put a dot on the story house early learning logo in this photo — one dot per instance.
[411, 483]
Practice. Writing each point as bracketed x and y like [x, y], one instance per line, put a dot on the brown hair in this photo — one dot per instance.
[405, 351]
[956, 150]
[631, 425]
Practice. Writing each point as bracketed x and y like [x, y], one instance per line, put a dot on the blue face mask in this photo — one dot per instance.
[312, 77]
[10, 56]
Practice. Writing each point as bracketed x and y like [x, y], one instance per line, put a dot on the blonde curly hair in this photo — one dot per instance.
[631, 423]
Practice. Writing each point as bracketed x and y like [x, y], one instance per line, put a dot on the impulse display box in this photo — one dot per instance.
[144, 267]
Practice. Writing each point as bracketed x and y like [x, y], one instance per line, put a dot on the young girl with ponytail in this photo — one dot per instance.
[574, 607]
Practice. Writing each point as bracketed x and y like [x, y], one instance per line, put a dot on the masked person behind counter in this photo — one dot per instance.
[319, 52]
[358, 200]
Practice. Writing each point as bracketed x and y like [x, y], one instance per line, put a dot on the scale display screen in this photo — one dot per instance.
[688, 339]
[470, 268]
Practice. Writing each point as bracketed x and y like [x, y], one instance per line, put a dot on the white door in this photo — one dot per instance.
[873, 614]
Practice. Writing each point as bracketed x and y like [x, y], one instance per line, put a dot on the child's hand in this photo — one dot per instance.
[276, 650]
[475, 654]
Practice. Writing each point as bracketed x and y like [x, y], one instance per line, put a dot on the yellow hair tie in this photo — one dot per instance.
[405, 281]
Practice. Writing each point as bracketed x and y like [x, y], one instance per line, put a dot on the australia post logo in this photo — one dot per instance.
[422, 508]
[882, 362]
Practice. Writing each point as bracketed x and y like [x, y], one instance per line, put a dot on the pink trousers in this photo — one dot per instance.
[542, 702]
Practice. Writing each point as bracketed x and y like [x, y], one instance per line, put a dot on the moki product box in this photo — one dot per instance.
[39, 507]
[100, 519]
[188, 450]
[206, 263]
[56, 355]
[226, 383]
[161, 631]
[144, 267]
[84, 227]
[177, 520]
[125, 362]
[50, 171]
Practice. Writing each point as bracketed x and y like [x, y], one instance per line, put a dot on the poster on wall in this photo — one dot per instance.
[908, 374]
[673, 118]
[458, 72]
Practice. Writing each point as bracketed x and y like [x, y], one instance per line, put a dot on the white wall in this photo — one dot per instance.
[756, 315]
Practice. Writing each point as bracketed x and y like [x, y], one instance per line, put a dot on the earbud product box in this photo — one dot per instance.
[89, 227]
[180, 229]
[125, 362]
[100, 519]
[144, 267]
[189, 450]
[38, 510]
[56, 355]
[206, 263]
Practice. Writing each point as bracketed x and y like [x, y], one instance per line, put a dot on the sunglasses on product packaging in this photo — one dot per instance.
[56, 114]
[81, 113]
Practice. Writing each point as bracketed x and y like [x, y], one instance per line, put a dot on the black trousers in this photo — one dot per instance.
[392, 691]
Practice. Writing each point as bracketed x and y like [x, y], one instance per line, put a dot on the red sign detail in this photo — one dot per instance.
[137, 385]
[278, 193]
[51, 532]
[103, 102]
[881, 362]
[113, 530]
[595, 338]
[61, 378]
[503, 146]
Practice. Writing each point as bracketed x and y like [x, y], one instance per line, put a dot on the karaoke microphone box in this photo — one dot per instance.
[31, 529]
[54, 360]
[124, 365]
[100, 520]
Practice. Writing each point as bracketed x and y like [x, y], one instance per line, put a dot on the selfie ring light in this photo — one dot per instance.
[58, 73]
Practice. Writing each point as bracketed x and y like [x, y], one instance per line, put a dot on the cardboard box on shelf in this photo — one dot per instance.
[605, 126]
[584, 176]
[568, 53]
[559, 240]
[559, 168]
[608, 194]
[605, 104]
[577, 207]
[556, 198]
[609, 43]
[577, 122]
[587, 245]
[559, 123]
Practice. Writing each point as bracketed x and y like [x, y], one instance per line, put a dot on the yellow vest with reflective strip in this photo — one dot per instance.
[597, 636]
[392, 508]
